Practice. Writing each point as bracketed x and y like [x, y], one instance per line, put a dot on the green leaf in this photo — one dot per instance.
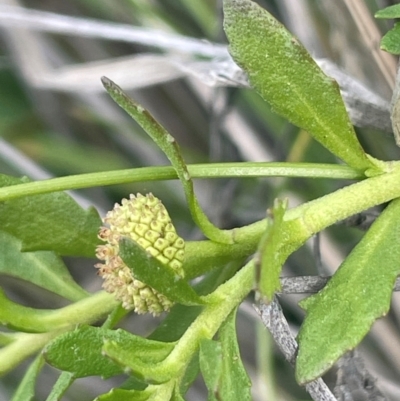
[340, 315]
[235, 383]
[190, 375]
[389, 12]
[132, 383]
[166, 142]
[280, 239]
[26, 388]
[151, 271]
[141, 357]
[176, 396]
[176, 323]
[61, 386]
[269, 257]
[161, 392]
[391, 41]
[181, 317]
[284, 74]
[115, 316]
[221, 365]
[81, 351]
[211, 366]
[117, 394]
[53, 222]
[43, 268]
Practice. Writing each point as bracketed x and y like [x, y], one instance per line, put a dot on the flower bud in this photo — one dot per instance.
[145, 220]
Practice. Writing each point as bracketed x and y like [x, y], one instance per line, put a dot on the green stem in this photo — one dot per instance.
[219, 305]
[24, 346]
[86, 311]
[320, 213]
[172, 150]
[7, 338]
[214, 170]
[312, 217]
[327, 210]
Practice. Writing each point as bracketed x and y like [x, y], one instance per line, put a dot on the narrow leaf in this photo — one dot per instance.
[284, 74]
[151, 271]
[190, 375]
[166, 142]
[211, 366]
[269, 258]
[26, 388]
[52, 222]
[176, 396]
[43, 268]
[359, 293]
[235, 384]
[64, 381]
[176, 323]
[221, 365]
[280, 239]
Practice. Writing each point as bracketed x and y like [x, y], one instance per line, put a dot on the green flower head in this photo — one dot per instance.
[145, 220]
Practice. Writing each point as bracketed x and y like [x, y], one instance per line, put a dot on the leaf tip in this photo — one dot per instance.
[106, 81]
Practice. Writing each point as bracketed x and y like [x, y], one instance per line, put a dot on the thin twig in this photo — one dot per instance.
[84, 27]
[273, 318]
[311, 284]
[354, 382]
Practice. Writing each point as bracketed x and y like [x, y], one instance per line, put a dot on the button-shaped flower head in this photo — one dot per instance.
[145, 220]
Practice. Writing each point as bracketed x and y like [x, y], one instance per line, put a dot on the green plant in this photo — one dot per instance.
[390, 42]
[47, 223]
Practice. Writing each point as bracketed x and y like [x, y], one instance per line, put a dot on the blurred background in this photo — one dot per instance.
[170, 55]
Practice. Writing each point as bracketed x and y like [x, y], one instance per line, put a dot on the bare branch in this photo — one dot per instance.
[310, 284]
[273, 318]
[354, 382]
[56, 23]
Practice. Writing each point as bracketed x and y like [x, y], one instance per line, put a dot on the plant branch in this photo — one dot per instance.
[212, 170]
[167, 143]
[85, 311]
[24, 345]
[273, 318]
[219, 305]
[310, 284]
[320, 213]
